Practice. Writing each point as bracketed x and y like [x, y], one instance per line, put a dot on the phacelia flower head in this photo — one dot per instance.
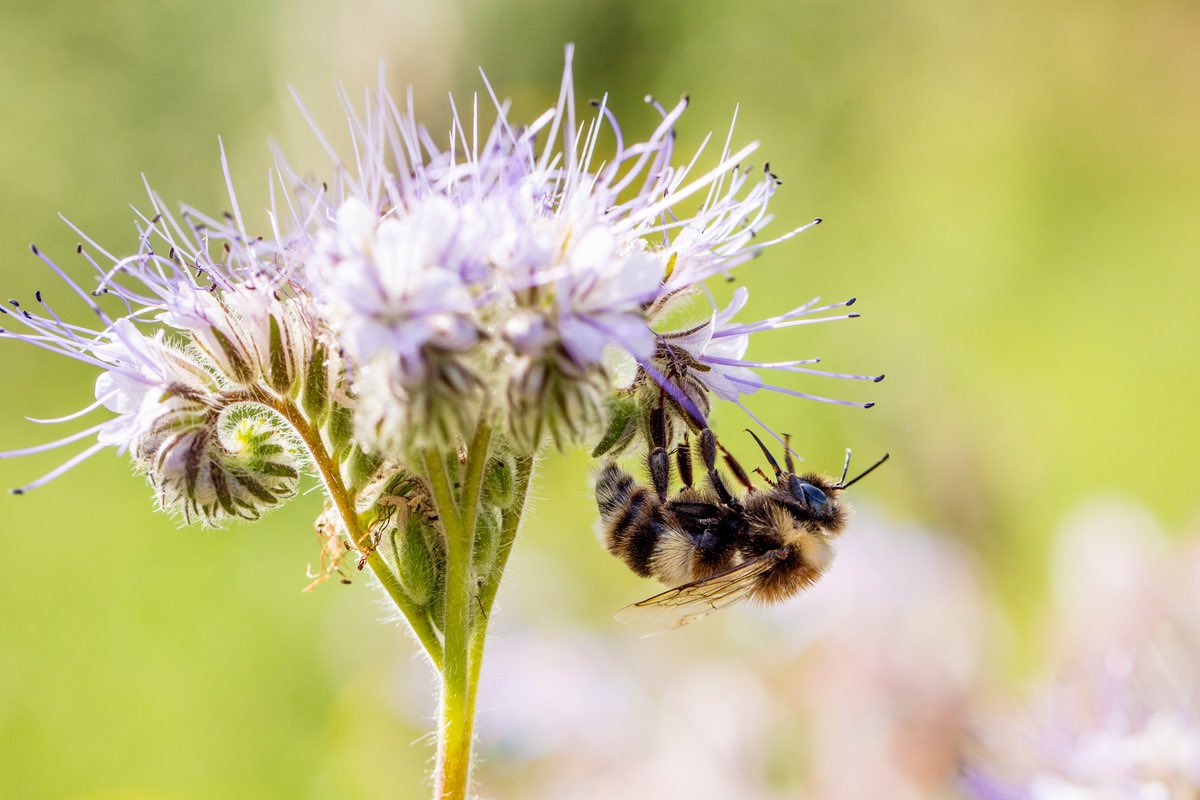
[199, 338]
[521, 267]
[533, 273]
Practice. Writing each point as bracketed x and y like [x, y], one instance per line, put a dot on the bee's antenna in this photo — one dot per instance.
[770, 458]
[845, 468]
[787, 454]
[864, 473]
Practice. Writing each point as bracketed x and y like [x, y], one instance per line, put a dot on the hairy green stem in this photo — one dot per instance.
[343, 500]
[458, 655]
[511, 521]
[456, 730]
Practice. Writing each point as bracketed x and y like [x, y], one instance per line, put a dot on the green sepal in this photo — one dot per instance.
[316, 386]
[340, 427]
[624, 419]
[237, 363]
[415, 565]
[281, 373]
[498, 480]
[487, 540]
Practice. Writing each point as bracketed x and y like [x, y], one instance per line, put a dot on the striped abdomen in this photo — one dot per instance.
[677, 541]
[631, 519]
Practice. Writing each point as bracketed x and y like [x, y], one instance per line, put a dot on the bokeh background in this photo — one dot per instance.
[1011, 190]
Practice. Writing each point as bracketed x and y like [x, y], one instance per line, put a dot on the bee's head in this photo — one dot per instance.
[811, 497]
[812, 492]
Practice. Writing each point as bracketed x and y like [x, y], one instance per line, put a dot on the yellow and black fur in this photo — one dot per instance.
[766, 544]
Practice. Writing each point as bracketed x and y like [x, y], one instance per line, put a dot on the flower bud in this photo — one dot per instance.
[551, 396]
[487, 541]
[315, 395]
[359, 467]
[224, 465]
[624, 419]
[498, 479]
[415, 565]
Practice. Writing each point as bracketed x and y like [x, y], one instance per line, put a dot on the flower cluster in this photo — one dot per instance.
[534, 276]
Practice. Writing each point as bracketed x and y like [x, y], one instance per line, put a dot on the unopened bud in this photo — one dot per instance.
[216, 469]
[487, 541]
[316, 385]
[624, 418]
[415, 565]
[498, 480]
[359, 468]
[340, 428]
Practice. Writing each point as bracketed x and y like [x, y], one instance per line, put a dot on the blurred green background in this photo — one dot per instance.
[1011, 190]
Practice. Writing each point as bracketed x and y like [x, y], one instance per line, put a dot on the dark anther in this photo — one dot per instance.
[38, 295]
[877, 380]
[852, 301]
[34, 248]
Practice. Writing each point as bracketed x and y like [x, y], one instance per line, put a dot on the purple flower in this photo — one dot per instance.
[513, 268]
[709, 358]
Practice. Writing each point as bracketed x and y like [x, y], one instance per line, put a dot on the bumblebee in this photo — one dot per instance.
[767, 544]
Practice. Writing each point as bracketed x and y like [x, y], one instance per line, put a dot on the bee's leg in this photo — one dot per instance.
[657, 460]
[683, 461]
[737, 469]
[708, 454]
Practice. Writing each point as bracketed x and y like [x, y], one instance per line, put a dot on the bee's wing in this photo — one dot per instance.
[677, 607]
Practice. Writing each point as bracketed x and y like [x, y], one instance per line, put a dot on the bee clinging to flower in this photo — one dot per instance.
[766, 544]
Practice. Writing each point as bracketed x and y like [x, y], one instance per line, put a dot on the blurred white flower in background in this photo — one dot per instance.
[1120, 718]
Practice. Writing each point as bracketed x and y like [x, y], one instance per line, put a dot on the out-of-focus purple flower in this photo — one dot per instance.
[1121, 716]
[888, 665]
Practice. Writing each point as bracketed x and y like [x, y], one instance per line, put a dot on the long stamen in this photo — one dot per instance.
[63, 442]
[794, 393]
[73, 416]
[58, 471]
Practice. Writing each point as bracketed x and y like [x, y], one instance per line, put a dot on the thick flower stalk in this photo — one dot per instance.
[413, 331]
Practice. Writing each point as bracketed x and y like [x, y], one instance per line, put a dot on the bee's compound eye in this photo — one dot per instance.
[808, 494]
[816, 498]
